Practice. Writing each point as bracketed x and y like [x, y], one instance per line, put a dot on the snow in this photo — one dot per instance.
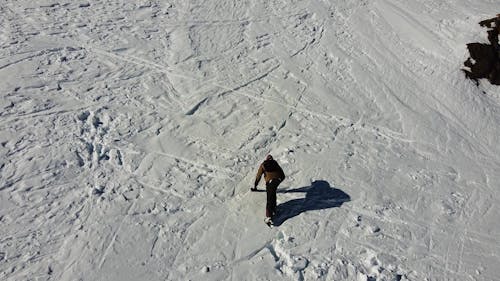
[131, 132]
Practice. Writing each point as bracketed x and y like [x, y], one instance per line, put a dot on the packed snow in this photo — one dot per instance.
[131, 133]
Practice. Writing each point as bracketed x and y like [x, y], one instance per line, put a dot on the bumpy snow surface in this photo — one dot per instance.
[131, 132]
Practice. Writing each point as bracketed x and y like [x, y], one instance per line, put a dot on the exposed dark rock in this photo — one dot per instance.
[484, 60]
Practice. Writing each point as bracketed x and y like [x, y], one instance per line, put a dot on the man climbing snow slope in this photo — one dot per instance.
[273, 175]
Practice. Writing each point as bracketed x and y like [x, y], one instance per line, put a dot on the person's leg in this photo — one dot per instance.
[268, 201]
[271, 189]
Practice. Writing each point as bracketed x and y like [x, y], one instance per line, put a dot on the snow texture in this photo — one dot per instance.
[131, 131]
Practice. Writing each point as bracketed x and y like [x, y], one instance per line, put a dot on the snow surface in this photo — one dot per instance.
[131, 132]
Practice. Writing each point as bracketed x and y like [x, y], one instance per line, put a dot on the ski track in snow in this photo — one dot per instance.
[131, 133]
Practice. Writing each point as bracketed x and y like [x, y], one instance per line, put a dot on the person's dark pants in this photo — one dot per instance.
[271, 188]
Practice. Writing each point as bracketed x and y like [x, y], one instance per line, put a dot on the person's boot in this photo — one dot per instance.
[269, 221]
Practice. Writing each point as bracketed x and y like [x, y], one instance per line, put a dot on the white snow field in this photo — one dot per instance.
[131, 132]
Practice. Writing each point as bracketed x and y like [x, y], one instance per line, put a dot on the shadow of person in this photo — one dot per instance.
[320, 195]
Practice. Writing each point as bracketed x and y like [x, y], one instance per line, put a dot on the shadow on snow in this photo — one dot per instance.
[319, 195]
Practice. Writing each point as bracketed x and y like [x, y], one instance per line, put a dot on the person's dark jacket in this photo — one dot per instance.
[271, 170]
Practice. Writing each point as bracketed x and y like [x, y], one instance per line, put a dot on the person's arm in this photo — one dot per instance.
[259, 175]
[282, 174]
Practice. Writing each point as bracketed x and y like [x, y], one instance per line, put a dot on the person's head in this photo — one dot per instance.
[269, 157]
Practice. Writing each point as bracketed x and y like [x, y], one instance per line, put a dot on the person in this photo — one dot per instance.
[273, 175]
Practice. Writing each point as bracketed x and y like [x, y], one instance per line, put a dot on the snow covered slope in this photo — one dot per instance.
[131, 131]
